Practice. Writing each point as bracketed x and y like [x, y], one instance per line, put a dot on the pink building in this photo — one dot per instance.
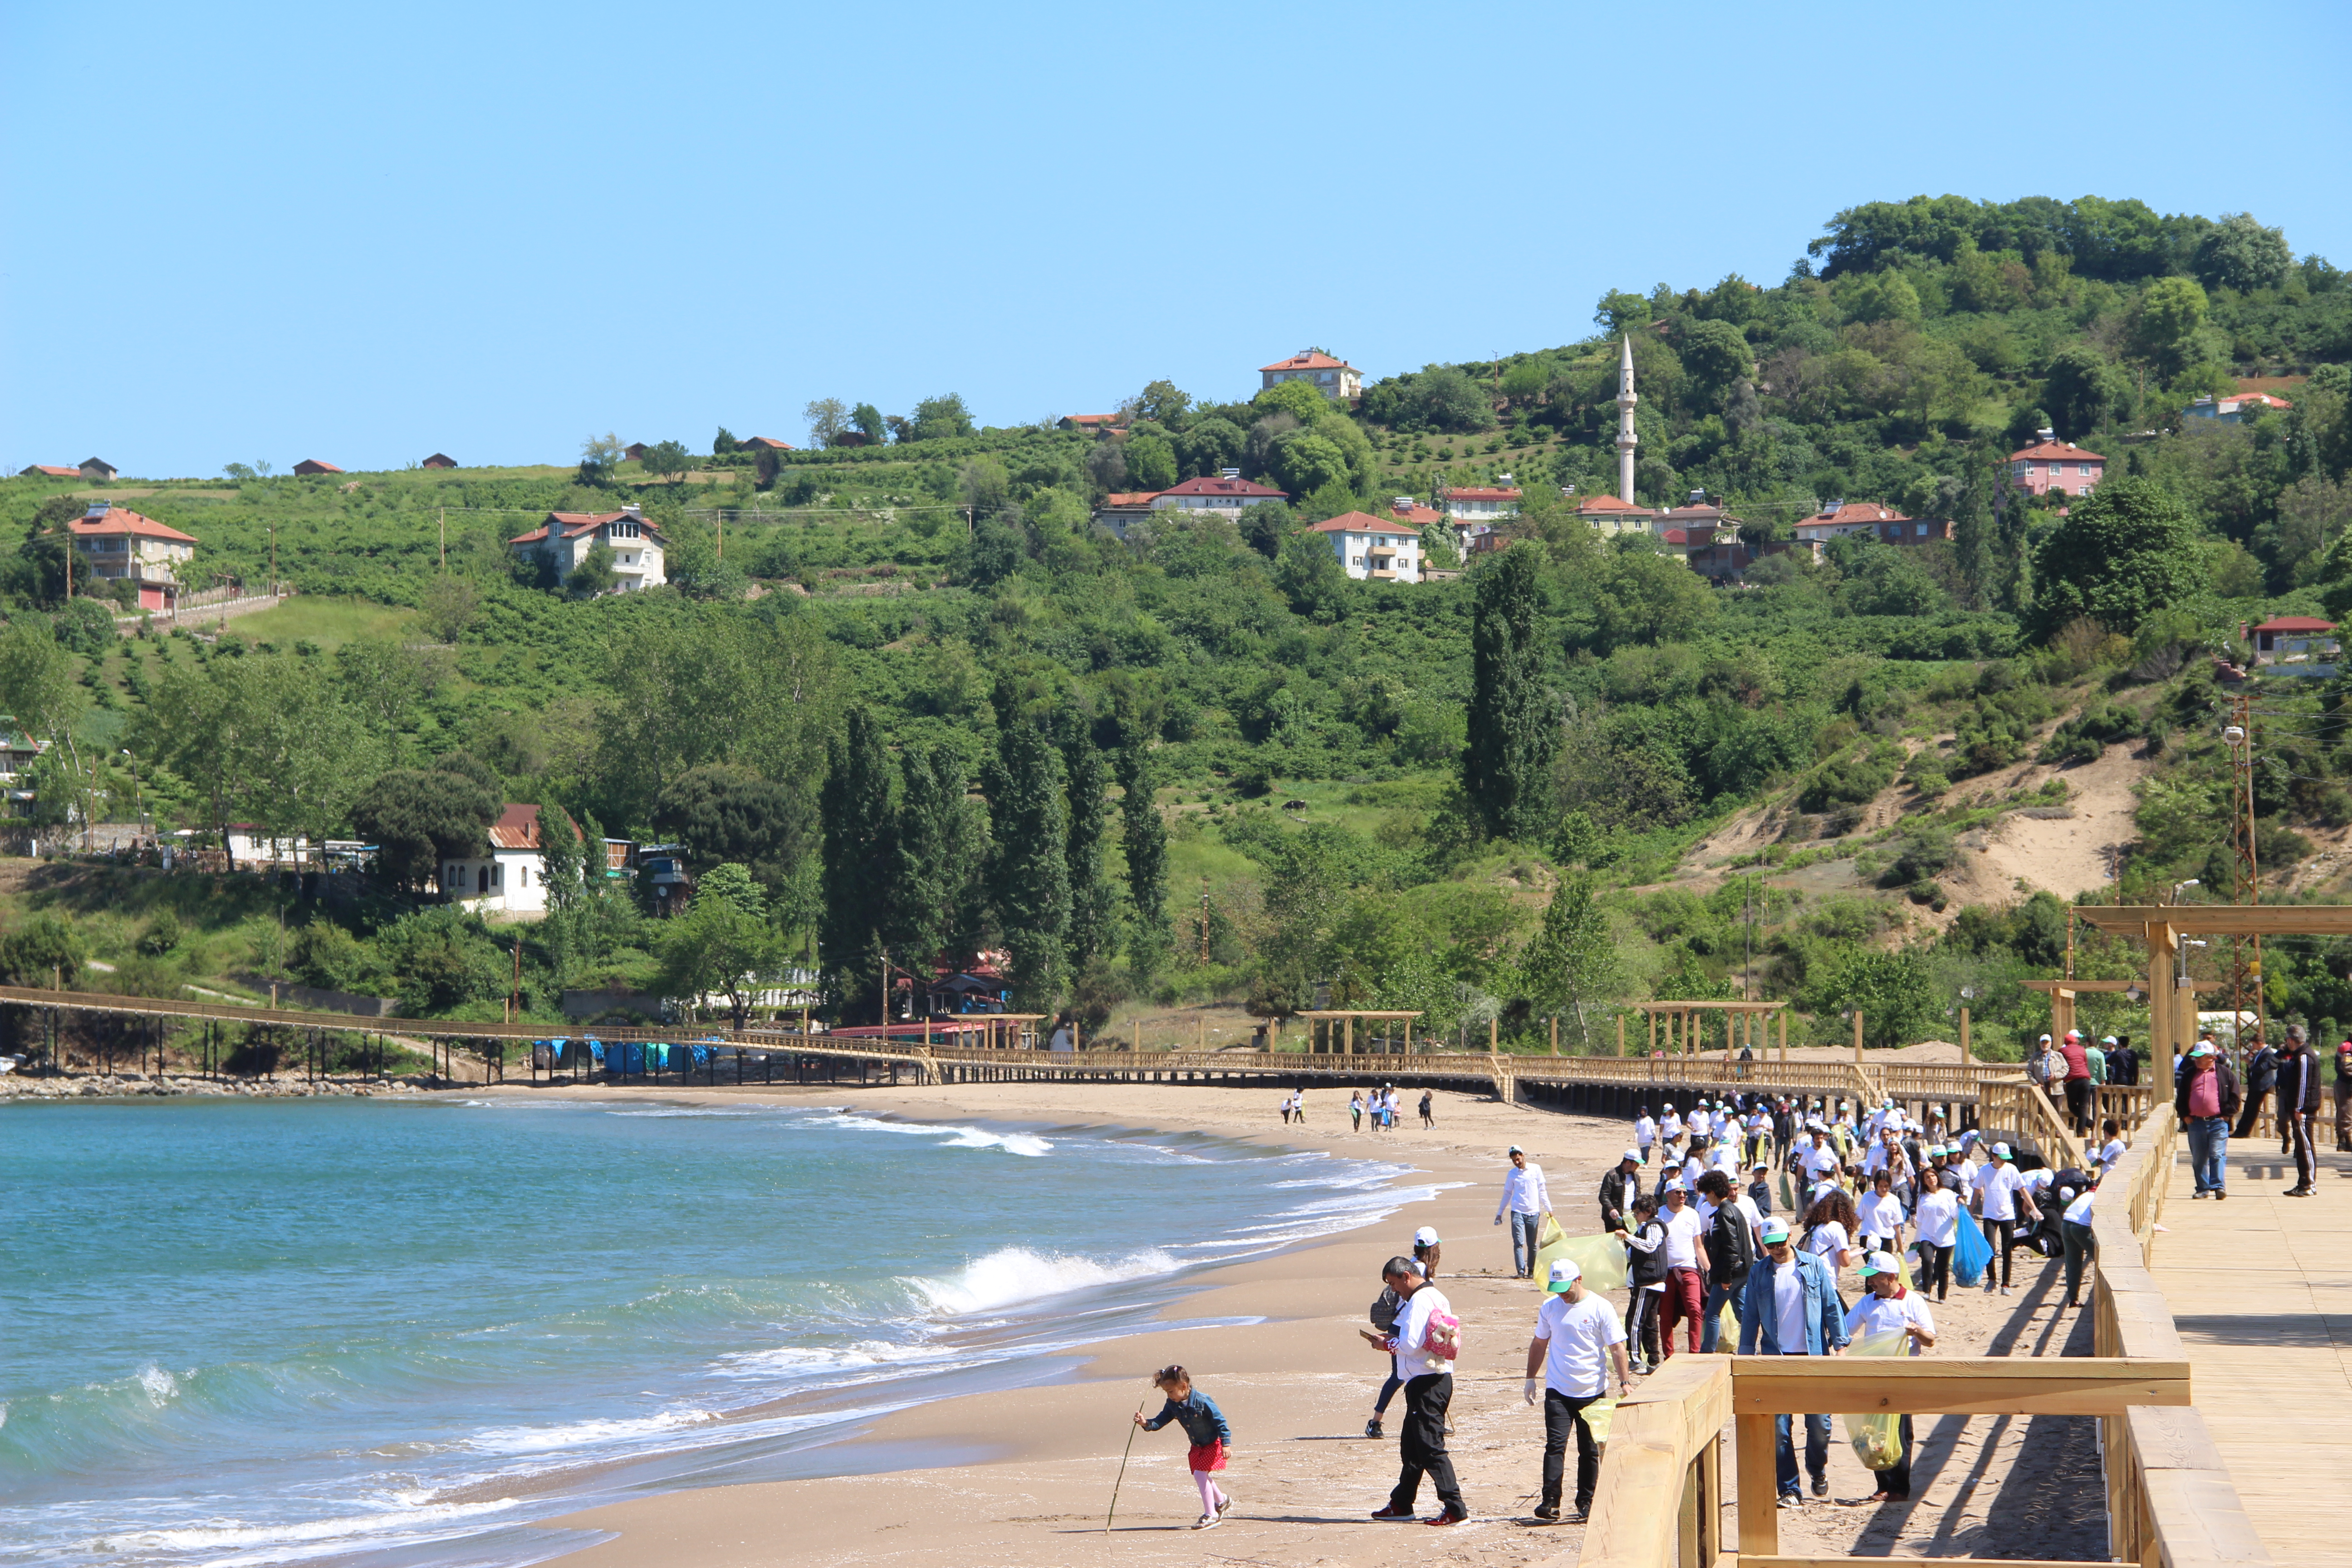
[2060, 465]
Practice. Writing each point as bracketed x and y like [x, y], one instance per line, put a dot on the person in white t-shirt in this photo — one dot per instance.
[1887, 1306]
[1646, 1132]
[1526, 1199]
[2081, 1245]
[2000, 1193]
[1821, 1161]
[1670, 1127]
[2112, 1150]
[1880, 1214]
[1686, 1268]
[1578, 1343]
[1830, 1224]
[1698, 1124]
[1938, 1221]
[1424, 1331]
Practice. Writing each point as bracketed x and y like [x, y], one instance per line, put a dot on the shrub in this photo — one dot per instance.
[1853, 779]
[2082, 738]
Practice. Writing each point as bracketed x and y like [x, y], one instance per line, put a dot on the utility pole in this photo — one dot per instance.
[273, 559]
[514, 1002]
[1204, 920]
[444, 538]
[722, 535]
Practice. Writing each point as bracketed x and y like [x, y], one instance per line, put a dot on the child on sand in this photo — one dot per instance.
[1205, 1426]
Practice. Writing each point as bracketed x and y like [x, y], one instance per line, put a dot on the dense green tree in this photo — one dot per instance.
[827, 417]
[1573, 960]
[1645, 595]
[1028, 872]
[1891, 988]
[722, 945]
[2164, 321]
[937, 419]
[2082, 391]
[1310, 574]
[667, 460]
[1514, 719]
[419, 818]
[46, 951]
[1144, 837]
[2121, 554]
[1209, 445]
[1150, 462]
[721, 814]
[932, 858]
[1093, 910]
[594, 574]
[1161, 401]
[724, 443]
[870, 423]
[2238, 253]
[1715, 354]
[854, 911]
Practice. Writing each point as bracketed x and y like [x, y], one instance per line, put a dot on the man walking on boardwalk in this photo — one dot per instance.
[2298, 1104]
[1790, 1308]
[1526, 1200]
[1425, 1335]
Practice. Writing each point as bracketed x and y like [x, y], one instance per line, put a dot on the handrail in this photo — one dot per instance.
[2025, 1107]
[1661, 1493]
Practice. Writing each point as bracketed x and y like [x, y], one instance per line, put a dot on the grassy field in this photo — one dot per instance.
[329, 621]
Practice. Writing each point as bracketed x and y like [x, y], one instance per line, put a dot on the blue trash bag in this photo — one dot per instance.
[1971, 1251]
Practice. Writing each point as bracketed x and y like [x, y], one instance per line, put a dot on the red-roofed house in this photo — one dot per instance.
[1123, 507]
[312, 466]
[2062, 466]
[1334, 378]
[1482, 503]
[122, 546]
[1086, 421]
[513, 876]
[764, 444]
[2294, 639]
[1227, 493]
[1610, 516]
[48, 471]
[1884, 523]
[438, 460]
[566, 537]
[2237, 409]
[1373, 548]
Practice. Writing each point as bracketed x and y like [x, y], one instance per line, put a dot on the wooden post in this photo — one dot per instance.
[1347, 1036]
[1759, 1521]
[1200, 1031]
[1494, 1033]
[1784, 1036]
[1555, 1034]
[1966, 1054]
[1408, 1037]
[1621, 1034]
[1857, 1037]
[1653, 1030]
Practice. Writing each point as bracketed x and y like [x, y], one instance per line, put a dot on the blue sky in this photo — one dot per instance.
[256, 231]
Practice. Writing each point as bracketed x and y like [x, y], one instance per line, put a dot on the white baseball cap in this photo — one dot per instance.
[1425, 1236]
[2001, 1151]
[1564, 1273]
[1633, 1154]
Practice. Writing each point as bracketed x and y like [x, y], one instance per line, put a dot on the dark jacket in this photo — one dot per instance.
[2231, 1096]
[1730, 1248]
[2298, 1082]
[2261, 1073]
[2122, 1065]
[1615, 1196]
[1198, 1414]
[1646, 1268]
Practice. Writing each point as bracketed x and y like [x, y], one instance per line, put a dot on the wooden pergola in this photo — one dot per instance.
[2163, 927]
[1344, 1018]
[2063, 993]
[1687, 1026]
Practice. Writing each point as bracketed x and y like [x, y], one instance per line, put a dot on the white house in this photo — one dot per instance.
[566, 537]
[513, 876]
[1482, 503]
[1375, 548]
[1225, 494]
[1334, 378]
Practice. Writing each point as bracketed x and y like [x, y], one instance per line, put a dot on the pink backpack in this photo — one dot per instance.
[1444, 1336]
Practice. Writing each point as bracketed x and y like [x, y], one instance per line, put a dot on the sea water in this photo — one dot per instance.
[396, 1333]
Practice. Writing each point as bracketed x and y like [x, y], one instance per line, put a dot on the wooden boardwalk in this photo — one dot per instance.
[2260, 1290]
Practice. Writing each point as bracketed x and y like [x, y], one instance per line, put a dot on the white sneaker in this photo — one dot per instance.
[1208, 1521]
[2004, 1290]
[1226, 1506]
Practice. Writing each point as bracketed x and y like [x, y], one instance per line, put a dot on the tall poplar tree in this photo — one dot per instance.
[1091, 901]
[1514, 722]
[934, 859]
[1145, 839]
[1028, 872]
[856, 809]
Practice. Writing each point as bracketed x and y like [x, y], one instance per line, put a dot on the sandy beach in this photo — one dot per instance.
[1035, 1466]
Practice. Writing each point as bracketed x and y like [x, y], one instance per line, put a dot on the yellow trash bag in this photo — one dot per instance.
[1603, 1257]
[1877, 1439]
[1598, 1414]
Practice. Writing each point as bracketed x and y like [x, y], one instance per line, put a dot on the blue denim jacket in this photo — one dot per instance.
[1198, 1414]
[1759, 1325]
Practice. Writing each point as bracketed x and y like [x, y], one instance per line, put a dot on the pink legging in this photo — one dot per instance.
[1211, 1497]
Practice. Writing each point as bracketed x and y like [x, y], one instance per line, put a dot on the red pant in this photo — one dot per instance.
[1684, 1296]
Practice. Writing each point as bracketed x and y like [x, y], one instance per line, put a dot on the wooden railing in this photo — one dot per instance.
[2022, 1107]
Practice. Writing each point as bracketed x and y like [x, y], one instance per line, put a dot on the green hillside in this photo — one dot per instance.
[910, 687]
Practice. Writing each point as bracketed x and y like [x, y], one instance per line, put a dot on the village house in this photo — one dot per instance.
[2293, 639]
[1088, 422]
[438, 460]
[635, 452]
[1482, 503]
[1334, 379]
[1884, 523]
[48, 471]
[1374, 549]
[2052, 465]
[2239, 409]
[512, 877]
[1227, 493]
[566, 537]
[764, 444]
[1610, 517]
[97, 470]
[122, 546]
[1121, 508]
[312, 466]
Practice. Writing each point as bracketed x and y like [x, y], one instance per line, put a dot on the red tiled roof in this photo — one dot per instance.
[122, 519]
[2264, 398]
[1224, 486]
[2046, 450]
[1591, 504]
[1090, 418]
[518, 827]
[312, 466]
[1362, 522]
[575, 523]
[2296, 624]
[1481, 492]
[770, 442]
[1854, 511]
[1309, 360]
[50, 470]
[1129, 497]
[1417, 514]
